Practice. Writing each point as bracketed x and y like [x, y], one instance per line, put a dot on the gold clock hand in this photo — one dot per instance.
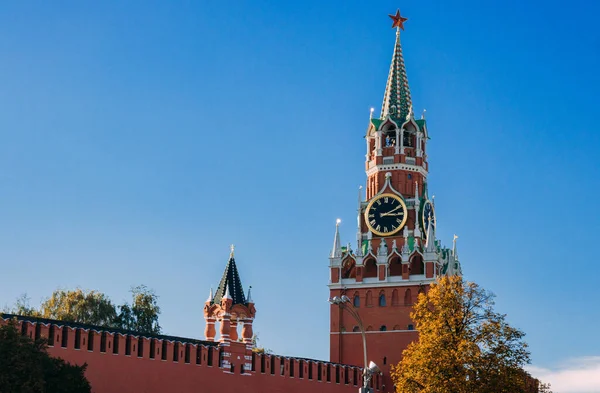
[395, 214]
[391, 214]
[391, 211]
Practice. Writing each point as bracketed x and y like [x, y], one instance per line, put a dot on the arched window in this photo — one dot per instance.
[383, 328]
[395, 301]
[356, 329]
[389, 139]
[395, 267]
[382, 299]
[416, 265]
[369, 328]
[369, 301]
[396, 327]
[356, 300]
[370, 268]
[349, 268]
[407, 298]
[407, 139]
[388, 135]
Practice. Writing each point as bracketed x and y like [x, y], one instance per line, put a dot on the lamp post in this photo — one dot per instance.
[343, 302]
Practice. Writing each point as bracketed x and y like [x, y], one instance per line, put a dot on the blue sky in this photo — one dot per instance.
[140, 138]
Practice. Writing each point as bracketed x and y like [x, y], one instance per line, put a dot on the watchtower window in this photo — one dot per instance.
[349, 268]
[356, 301]
[369, 299]
[395, 268]
[370, 268]
[407, 298]
[407, 139]
[416, 265]
[382, 302]
[389, 139]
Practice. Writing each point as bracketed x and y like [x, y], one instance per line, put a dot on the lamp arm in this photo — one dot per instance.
[356, 316]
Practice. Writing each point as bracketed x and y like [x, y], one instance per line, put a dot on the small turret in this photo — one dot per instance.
[336, 251]
[229, 305]
[249, 297]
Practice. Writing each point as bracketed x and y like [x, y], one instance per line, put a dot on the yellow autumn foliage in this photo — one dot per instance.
[464, 346]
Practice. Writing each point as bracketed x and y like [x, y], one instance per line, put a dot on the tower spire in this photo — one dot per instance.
[337, 245]
[454, 252]
[230, 285]
[396, 100]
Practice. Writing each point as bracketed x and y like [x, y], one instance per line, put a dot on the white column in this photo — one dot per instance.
[402, 141]
[378, 143]
[419, 150]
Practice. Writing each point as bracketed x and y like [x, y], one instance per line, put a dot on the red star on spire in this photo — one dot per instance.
[398, 20]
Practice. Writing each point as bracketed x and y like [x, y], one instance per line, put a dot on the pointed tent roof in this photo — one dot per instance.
[336, 251]
[396, 101]
[230, 284]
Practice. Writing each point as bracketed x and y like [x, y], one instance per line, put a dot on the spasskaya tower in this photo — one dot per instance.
[396, 255]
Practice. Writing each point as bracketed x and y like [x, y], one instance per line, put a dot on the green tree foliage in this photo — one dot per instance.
[142, 314]
[464, 346]
[26, 367]
[95, 308]
[22, 307]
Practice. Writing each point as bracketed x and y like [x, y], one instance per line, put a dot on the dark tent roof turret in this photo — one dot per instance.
[230, 281]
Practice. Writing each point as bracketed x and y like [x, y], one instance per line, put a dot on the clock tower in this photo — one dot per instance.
[396, 255]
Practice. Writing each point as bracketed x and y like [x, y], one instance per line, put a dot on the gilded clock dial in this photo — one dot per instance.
[386, 214]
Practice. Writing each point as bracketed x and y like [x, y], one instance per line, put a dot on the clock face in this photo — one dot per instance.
[428, 216]
[386, 214]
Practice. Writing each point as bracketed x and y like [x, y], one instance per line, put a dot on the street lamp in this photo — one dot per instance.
[343, 302]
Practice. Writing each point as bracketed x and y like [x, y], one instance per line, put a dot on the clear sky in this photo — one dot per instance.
[139, 139]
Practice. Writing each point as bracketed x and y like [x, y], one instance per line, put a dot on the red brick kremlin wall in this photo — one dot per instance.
[171, 364]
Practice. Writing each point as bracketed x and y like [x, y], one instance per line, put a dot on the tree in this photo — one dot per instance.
[95, 308]
[26, 367]
[142, 315]
[22, 307]
[464, 345]
[544, 388]
[91, 307]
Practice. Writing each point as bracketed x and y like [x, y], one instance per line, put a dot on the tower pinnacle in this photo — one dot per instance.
[396, 101]
[336, 251]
